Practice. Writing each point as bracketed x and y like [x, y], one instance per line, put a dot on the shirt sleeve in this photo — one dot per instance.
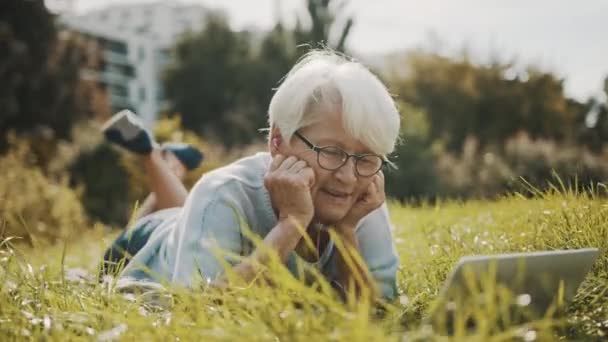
[208, 232]
[378, 250]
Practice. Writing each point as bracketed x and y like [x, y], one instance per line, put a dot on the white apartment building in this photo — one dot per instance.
[135, 42]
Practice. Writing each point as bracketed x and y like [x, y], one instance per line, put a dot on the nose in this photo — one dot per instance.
[347, 173]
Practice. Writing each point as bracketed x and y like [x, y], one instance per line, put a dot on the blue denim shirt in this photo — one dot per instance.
[217, 211]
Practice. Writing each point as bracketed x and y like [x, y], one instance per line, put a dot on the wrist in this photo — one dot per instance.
[343, 228]
[294, 221]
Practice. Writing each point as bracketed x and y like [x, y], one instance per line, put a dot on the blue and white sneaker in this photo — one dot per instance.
[126, 130]
[187, 154]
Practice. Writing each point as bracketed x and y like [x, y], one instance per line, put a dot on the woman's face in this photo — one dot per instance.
[334, 192]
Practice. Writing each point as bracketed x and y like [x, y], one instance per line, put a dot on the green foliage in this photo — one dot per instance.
[430, 172]
[415, 177]
[39, 72]
[170, 129]
[221, 81]
[474, 131]
[464, 99]
[52, 295]
[488, 173]
[209, 82]
[595, 133]
[113, 181]
[32, 205]
[323, 15]
[105, 184]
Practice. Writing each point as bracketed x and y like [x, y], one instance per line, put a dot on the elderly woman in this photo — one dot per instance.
[332, 124]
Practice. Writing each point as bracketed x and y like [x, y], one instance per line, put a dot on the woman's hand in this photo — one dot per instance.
[369, 201]
[289, 181]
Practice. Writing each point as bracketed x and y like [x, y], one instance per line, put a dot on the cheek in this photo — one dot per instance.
[362, 186]
[321, 178]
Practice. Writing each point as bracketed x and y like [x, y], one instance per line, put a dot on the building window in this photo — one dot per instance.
[160, 94]
[161, 58]
[142, 94]
[117, 47]
[128, 70]
[141, 53]
[142, 29]
[119, 90]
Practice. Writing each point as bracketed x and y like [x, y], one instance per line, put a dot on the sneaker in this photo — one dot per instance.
[126, 130]
[187, 154]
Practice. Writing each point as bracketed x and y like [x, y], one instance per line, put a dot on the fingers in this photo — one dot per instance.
[375, 190]
[287, 163]
[379, 185]
[276, 162]
[301, 169]
[298, 166]
[292, 166]
[308, 174]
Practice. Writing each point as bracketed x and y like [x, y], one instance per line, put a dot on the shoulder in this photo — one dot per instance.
[378, 219]
[243, 175]
[238, 186]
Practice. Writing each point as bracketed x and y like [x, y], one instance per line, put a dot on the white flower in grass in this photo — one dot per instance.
[523, 299]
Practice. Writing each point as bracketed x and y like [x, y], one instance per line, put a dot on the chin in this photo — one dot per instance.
[329, 216]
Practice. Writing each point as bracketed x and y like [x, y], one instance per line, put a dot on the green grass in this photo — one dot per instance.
[43, 297]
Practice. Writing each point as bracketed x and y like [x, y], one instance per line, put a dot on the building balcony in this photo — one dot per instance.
[116, 58]
[117, 101]
[106, 77]
[110, 77]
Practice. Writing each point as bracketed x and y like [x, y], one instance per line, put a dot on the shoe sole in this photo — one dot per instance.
[126, 130]
[125, 123]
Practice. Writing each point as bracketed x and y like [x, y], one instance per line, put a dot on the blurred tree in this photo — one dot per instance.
[101, 173]
[39, 72]
[489, 102]
[277, 54]
[415, 177]
[324, 16]
[594, 126]
[211, 81]
[221, 81]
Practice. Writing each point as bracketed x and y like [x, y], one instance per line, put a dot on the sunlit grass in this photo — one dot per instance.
[52, 292]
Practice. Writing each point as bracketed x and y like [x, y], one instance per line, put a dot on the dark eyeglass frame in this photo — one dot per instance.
[356, 157]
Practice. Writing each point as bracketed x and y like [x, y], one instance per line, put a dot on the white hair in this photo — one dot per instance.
[323, 79]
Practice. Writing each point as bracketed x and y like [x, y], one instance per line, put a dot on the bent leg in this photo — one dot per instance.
[126, 245]
[147, 207]
[167, 188]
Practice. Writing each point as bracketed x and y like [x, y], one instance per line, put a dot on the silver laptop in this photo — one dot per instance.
[535, 282]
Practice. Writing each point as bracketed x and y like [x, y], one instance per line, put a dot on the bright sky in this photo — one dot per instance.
[563, 36]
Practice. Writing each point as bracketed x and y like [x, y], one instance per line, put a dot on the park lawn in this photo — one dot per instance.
[50, 291]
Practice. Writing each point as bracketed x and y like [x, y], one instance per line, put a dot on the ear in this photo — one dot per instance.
[275, 140]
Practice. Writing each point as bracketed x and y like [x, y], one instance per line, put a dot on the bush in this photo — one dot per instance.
[537, 161]
[33, 205]
[100, 169]
[492, 172]
[104, 180]
[415, 177]
[428, 171]
[170, 129]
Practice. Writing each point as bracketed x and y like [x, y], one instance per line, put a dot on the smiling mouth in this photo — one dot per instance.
[337, 194]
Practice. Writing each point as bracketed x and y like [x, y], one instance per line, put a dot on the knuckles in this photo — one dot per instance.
[283, 179]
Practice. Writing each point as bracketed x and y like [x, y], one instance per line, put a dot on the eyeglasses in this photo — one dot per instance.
[332, 158]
